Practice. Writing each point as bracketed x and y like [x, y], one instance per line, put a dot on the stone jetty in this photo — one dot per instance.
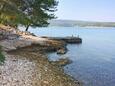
[68, 39]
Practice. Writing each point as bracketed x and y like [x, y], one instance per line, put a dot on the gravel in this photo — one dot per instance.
[17, 72]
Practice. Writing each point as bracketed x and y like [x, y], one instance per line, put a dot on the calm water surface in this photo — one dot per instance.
[93, 60]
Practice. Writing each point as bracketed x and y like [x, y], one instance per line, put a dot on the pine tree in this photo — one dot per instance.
[34, 13]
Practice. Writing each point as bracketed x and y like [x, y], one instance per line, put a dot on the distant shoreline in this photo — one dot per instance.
[73, 23]
[88, 27]
[96, 27]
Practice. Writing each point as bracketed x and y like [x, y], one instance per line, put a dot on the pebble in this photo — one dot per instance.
[17, 72]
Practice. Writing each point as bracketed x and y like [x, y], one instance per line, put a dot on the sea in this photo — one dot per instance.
[93, 61]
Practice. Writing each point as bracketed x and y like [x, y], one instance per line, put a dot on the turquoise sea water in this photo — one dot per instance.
[93, 60]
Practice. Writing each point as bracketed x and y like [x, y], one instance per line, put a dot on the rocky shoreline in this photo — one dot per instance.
[26, 62]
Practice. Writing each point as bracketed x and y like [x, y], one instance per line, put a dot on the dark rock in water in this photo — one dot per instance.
[44, 37]
[62, 51]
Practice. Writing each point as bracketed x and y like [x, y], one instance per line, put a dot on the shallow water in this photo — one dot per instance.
[93, 60]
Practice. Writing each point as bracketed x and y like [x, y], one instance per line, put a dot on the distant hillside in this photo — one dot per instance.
[72, 23]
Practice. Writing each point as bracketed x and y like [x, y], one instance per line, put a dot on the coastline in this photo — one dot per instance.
[96, 27]
[28, 54]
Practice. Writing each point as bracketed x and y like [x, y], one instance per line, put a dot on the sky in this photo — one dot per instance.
[88, 10]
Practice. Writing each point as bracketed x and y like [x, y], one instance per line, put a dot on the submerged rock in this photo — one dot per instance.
[63, 61]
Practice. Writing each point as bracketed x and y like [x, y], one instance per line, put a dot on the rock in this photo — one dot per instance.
[62, 51]
[13, 36]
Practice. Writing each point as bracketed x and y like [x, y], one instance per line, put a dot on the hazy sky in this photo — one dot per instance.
[89, 10]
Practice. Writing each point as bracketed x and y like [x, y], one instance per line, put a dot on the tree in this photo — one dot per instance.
[27, 12]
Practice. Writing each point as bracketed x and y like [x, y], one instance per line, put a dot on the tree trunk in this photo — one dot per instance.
[27, 28]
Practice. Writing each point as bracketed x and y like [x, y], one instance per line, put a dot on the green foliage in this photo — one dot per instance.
[27, 12]
[2, 57]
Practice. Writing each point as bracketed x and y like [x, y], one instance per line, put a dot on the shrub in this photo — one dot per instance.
[2, 57]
